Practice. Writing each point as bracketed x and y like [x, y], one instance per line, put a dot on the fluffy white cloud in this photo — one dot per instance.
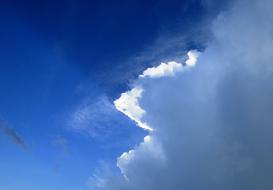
[193, 56]
[170, 68]
[128, 104]
[162, 70]
[212, 124]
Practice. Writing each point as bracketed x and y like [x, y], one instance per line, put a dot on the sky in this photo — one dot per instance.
[136, 95]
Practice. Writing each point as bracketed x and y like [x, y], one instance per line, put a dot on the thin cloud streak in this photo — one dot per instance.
[13, 135]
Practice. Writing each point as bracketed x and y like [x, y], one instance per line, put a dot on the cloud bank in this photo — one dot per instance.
[212, 124]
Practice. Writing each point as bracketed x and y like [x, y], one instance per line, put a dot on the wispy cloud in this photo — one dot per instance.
[94, 117]
[99, 119]
[12, 134]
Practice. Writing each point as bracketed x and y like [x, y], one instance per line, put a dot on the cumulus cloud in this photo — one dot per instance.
[128, 104]
[170, 68]
[162, 70]
[212, 124]
[193, 56]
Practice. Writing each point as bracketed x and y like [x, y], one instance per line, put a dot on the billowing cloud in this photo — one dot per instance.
[212, 124]
[162, 70]
[170, 68]
[193, 56]
[128, 104]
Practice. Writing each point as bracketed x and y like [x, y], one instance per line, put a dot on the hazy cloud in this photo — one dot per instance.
[12, 134]
[94, 117]
[100, 120]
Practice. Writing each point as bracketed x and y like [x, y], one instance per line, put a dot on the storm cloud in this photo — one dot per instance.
[212, 123]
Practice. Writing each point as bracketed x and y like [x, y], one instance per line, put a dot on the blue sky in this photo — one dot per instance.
[62, 63]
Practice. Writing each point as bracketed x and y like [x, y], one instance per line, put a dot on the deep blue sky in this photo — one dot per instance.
[59, 57]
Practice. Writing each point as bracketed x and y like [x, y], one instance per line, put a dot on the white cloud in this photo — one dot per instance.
[170, 68]
[150, 147]
[128, 104]
[162, 70]
[193, 57]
